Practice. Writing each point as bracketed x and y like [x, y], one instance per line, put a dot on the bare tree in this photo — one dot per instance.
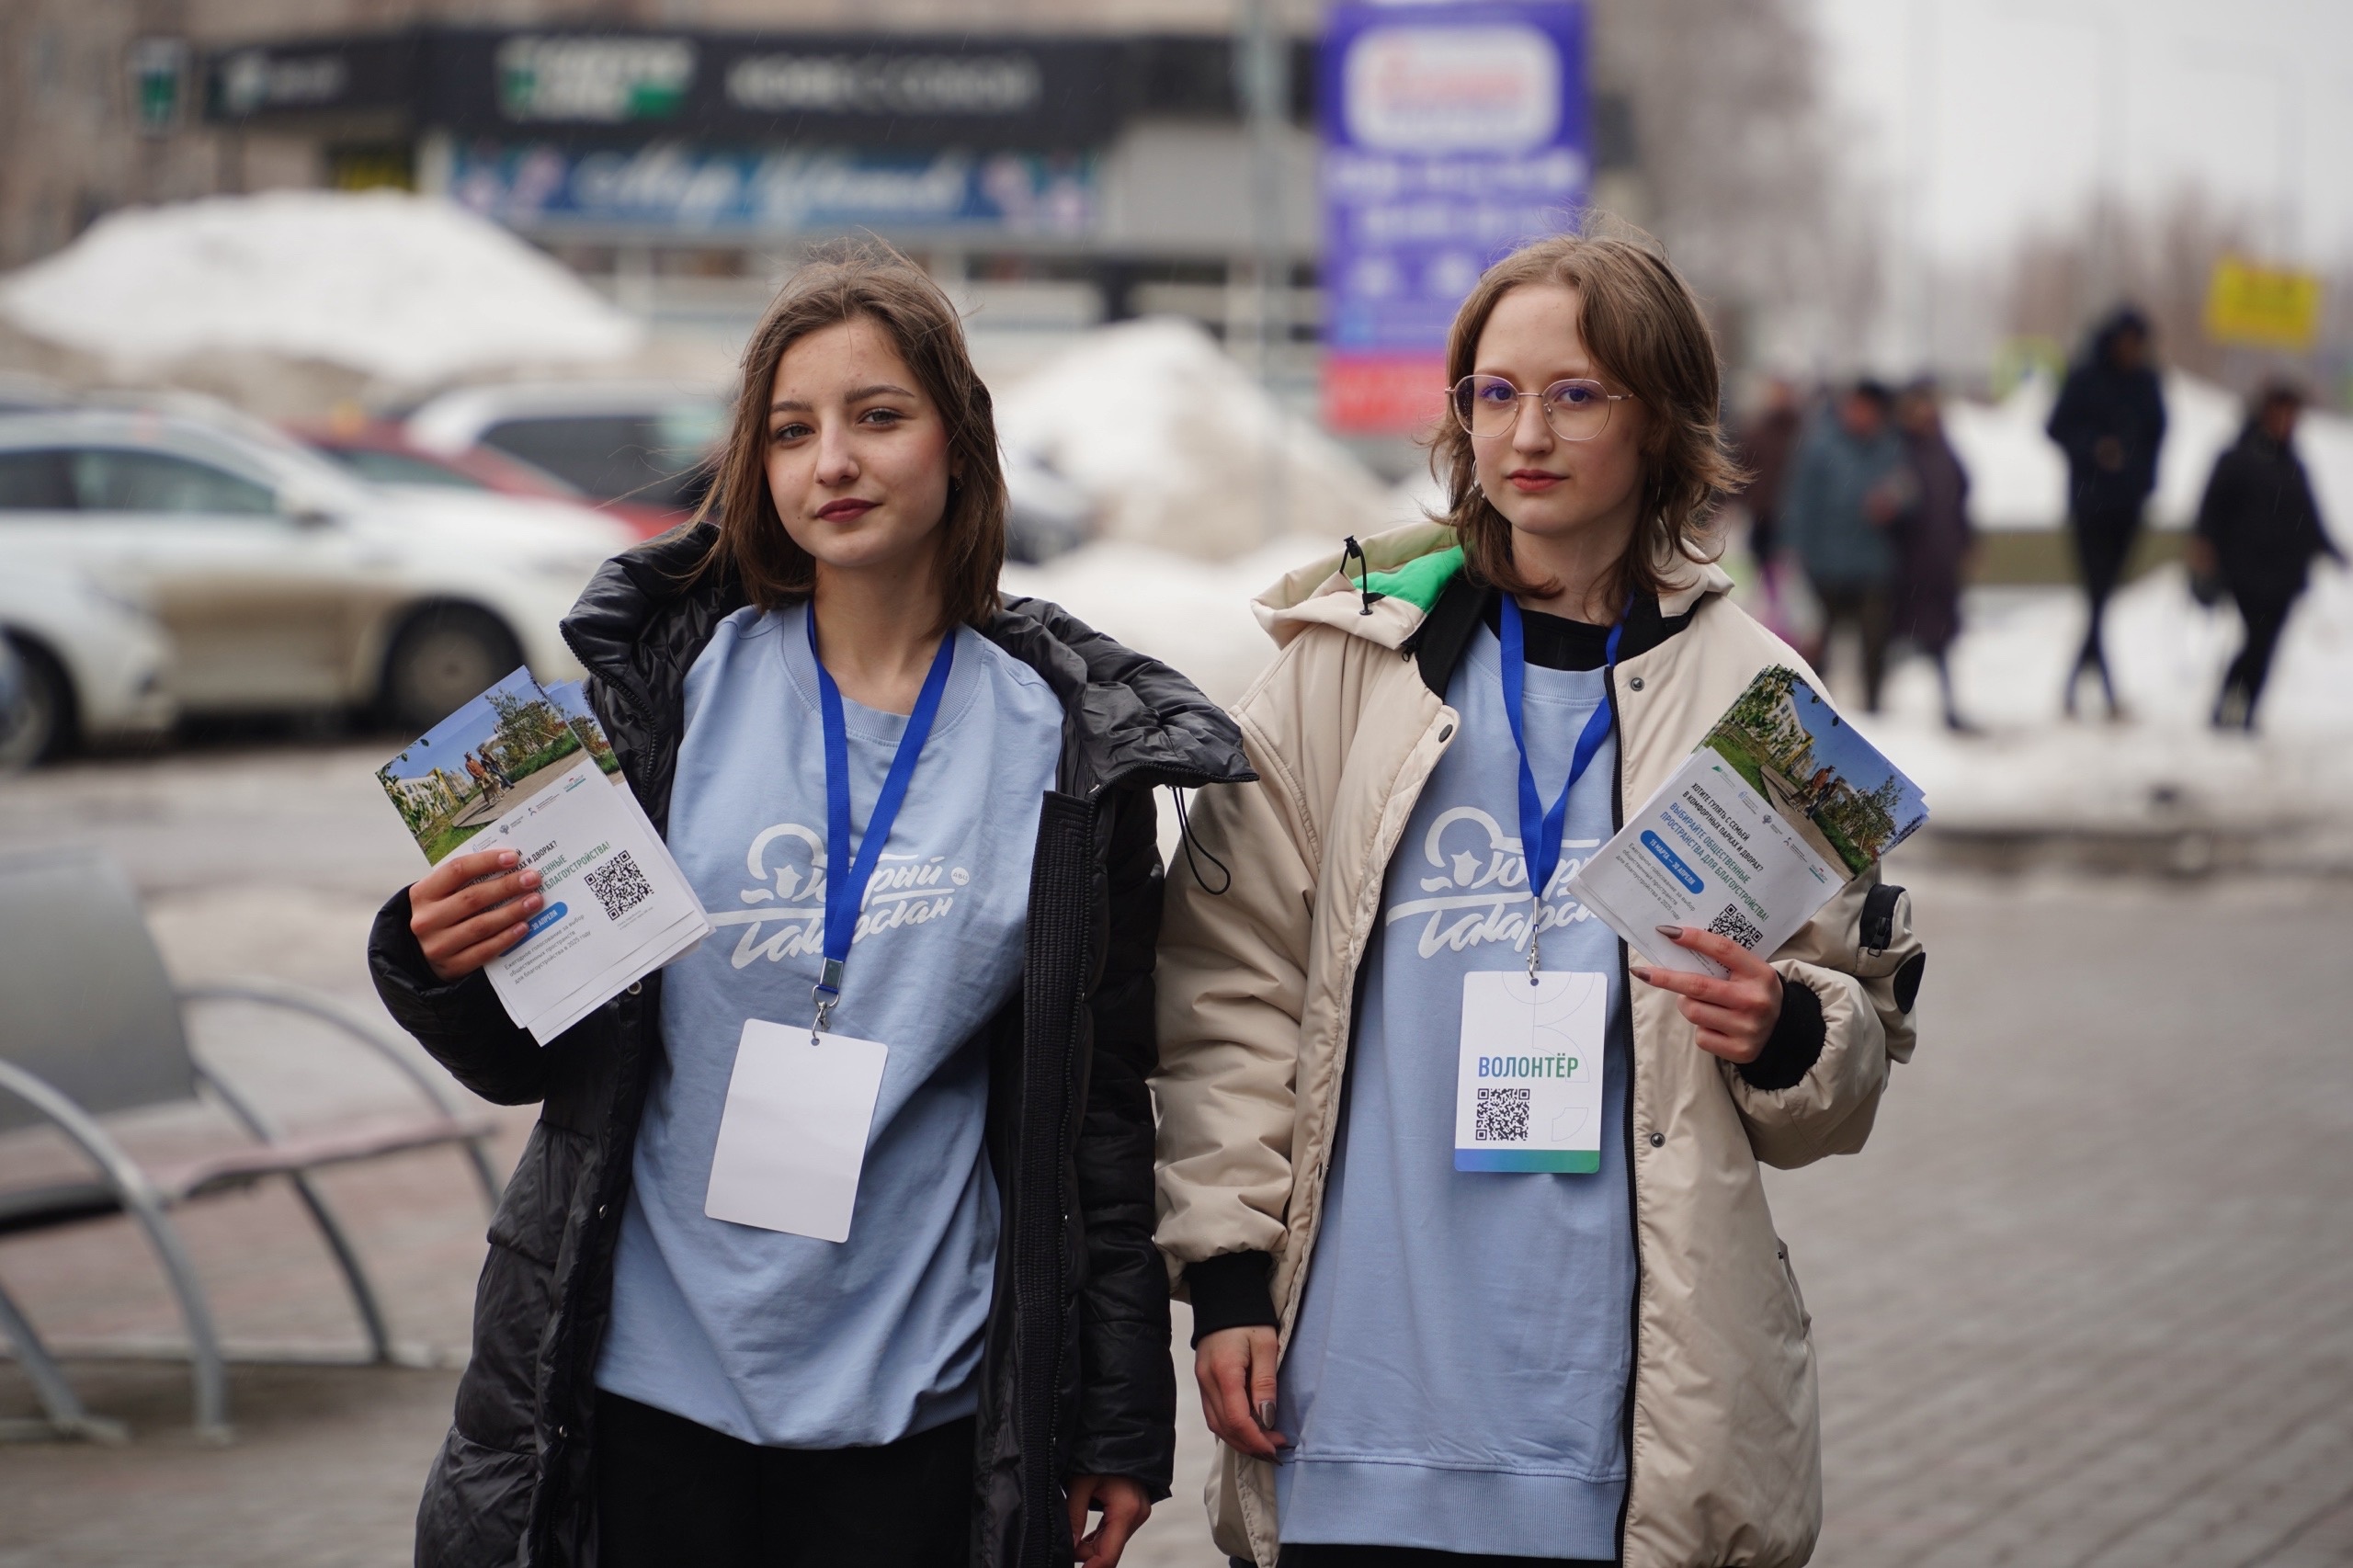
[1738, 165]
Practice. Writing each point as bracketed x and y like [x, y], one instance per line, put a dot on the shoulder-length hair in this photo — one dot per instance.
[864, 282]
[1646, 332]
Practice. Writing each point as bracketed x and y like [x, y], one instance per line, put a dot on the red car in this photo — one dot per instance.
[380, 453]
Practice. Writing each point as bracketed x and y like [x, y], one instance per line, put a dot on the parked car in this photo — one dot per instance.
[640, 446]
[85, 663]
[281, 581]
[379, 452]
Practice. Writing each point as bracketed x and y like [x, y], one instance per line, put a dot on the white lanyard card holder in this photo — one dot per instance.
[1528, 1082]
[792, 1137]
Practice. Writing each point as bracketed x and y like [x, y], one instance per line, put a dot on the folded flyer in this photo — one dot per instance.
[521, 768]
[1781, 806]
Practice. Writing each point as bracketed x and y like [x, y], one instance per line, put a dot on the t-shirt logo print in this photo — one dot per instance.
[1477, 886]
[785, 916]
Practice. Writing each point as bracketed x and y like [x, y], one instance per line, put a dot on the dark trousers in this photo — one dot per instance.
[2243, 682]
[670, 1491]
[2103, 542]
[1870, 608]
[1412, 1557]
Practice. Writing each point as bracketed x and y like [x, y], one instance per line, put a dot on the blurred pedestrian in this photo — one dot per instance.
[1766, 441]
[2258, 532]
[2110, 421]
[1846, 488]
[1934, 538]
[983, 1360]
[479, 774]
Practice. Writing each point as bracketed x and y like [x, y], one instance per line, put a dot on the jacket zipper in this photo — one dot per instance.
[1633, 1070]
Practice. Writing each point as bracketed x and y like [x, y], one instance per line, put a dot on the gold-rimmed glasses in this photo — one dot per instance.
[1577, 410]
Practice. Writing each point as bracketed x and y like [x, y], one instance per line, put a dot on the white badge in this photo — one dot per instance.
[1527, 1088]
[792, 1139]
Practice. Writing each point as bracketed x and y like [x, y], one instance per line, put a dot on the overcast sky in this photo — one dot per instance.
[2000, 101]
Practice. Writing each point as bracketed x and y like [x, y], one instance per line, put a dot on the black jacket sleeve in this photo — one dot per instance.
[1127, 1416]
[463, 1023]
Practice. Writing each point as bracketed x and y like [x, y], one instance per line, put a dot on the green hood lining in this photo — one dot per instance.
[1420, 581]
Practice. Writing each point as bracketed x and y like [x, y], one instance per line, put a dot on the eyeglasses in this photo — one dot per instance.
[1488, 406]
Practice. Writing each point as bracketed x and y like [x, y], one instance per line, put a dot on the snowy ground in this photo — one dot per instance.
[2161, 774]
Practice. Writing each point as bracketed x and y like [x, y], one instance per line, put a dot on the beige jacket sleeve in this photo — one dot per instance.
[1231, 981]
[1866, 1027]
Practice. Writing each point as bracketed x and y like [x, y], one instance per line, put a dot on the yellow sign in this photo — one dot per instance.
[2263, 307]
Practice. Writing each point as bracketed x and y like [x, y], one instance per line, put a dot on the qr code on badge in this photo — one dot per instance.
[1731, 923]
[619, 885]
[1502, 1117]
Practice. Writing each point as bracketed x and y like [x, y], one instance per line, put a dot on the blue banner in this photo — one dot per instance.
[1452, 134]
[681, 188]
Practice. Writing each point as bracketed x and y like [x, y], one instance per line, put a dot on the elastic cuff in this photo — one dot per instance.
[1231, 1291]
[1795, 1044]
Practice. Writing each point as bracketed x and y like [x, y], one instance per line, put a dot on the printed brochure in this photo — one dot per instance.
[524, 769]
[1781, 805]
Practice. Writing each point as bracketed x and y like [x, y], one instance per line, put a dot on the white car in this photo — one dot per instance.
[281, 581]
[88, 664]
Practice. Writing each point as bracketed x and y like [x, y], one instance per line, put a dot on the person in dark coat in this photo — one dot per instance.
[1846, 488]
[1008, 1175]
[1934, 538]
[2111, 422]
[1766, 443]
[2259, 529]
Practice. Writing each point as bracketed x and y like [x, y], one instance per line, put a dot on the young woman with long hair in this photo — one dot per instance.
[1410, 1355]
[816, 682]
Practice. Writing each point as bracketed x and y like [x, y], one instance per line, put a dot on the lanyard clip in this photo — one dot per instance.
[1533, 959]
[825, 994]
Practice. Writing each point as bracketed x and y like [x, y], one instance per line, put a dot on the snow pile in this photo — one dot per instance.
[404, 289]
[2019, 479]
[1193, 615]
[1179, 447]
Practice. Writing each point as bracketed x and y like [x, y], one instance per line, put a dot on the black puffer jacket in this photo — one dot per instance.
[1075, 1373]
[2261, 519]
[2111, 422]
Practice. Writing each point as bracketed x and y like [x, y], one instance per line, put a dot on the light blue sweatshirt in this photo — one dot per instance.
[781, 1339]
[1457, 1377]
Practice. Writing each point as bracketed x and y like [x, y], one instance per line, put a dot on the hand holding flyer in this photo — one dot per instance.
[517, 769]
[1781, 805]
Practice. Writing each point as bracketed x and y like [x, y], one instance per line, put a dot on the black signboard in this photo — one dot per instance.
[321, 77]
[845, 89]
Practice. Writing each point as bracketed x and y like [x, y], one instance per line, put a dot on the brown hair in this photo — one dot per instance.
[869, 282]
[1646, 332]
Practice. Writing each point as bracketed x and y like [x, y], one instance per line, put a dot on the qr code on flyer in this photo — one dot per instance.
[619, 885]
[1731, 923]
[1501, 1115]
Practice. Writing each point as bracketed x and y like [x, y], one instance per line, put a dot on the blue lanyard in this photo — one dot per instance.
[846, 879]
[1541, 830]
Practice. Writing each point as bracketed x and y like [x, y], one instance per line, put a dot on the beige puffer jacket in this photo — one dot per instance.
[1255, 989]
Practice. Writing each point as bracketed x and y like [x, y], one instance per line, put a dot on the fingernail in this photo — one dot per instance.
[1670, 932]
[533, 901]
[1640, 972]
[1266, 1413]
[507, 857]
[531, 879]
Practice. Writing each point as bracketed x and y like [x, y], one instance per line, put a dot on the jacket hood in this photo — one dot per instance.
[1386, 597]
[1126, 718]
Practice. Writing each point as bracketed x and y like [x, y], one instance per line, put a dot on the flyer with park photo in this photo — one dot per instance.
[1778, 808]
[516, 769]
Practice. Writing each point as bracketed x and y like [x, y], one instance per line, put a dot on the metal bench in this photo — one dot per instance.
[90, 1025]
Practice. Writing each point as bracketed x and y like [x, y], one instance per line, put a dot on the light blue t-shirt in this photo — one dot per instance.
[1457, 1377]
[786, 1340]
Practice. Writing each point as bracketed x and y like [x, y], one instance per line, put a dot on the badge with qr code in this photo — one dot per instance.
[1528, 1085]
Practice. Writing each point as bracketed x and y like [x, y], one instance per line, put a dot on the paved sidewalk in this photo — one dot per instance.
[2081, 1304]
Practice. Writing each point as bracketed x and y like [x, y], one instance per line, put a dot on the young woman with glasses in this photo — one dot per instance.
[1589, 1346]
[921, 812]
